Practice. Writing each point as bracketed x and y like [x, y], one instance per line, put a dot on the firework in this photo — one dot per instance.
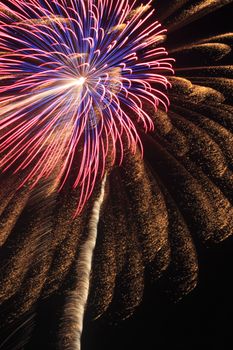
[76, 76]
[152, 215]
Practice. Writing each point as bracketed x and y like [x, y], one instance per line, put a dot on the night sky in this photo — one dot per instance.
[202, 318]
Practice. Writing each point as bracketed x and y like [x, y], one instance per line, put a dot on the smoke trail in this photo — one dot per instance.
[72, 321]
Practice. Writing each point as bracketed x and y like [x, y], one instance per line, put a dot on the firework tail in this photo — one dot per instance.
[72, 321]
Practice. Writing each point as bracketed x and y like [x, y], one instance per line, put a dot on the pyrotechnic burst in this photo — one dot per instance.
[75, 79]
[84, 86]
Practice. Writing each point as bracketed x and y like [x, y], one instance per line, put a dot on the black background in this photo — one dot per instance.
[202, 319]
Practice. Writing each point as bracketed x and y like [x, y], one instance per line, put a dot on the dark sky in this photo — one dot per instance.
[202, 319]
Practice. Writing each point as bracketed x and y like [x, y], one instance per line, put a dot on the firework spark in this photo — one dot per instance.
[75, 78]
[157, 214]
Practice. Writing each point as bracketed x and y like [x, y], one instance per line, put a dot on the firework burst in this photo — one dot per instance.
[149, 217]
[75, 79]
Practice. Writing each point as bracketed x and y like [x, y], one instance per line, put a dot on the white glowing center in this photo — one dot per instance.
[80, 81]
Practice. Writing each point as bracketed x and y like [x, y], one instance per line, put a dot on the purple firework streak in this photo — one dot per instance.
[75, 79]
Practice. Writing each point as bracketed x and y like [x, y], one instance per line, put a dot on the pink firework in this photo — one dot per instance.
[75, 78]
